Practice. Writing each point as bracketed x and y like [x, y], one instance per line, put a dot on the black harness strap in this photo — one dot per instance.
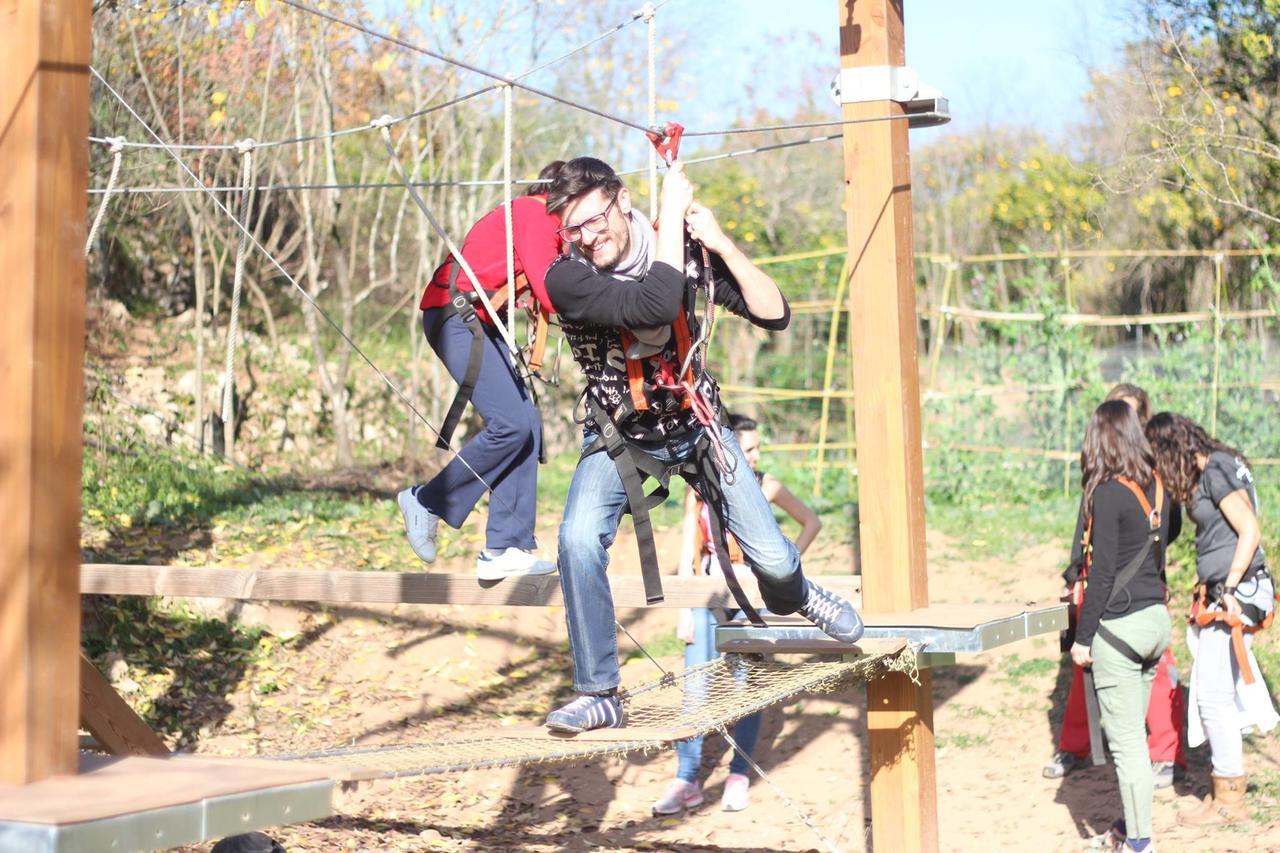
[462, 306]
[705, 477]
[633, 469]
[1126, 576]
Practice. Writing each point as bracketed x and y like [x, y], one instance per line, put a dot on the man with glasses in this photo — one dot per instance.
[620, 280]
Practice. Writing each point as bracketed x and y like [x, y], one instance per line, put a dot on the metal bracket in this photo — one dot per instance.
[899, 83]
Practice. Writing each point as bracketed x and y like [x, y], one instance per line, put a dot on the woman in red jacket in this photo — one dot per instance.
[503, 456]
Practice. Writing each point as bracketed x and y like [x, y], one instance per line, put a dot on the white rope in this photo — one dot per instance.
[302, 292]
[648, 12]
[384, 125]
[692, 161]
[245, 147]
[507, 216]
[117, 154]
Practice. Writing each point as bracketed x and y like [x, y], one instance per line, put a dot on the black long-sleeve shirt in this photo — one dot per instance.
[1120, 532]
[594, 306]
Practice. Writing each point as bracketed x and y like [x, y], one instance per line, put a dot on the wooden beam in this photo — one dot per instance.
[44, 125]
[904, 813]
[114, 725]
[399, 587]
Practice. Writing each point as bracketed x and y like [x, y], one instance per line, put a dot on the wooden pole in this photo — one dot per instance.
[44, 112]
[887, 414]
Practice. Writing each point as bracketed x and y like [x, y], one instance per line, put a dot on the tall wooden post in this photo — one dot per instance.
[44, 123]
[887, 417]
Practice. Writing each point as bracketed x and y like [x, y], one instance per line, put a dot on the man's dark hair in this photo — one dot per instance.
[742, 423]
[580, 176]
[545, 178]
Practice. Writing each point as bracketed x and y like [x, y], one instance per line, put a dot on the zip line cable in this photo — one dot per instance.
[466, 66]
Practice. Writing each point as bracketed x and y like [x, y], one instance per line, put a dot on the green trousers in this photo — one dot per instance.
[1124, 690]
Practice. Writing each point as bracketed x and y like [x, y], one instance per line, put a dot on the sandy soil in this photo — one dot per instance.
[420, 673]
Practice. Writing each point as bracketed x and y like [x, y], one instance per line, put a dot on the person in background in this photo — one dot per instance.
[1124, 628]
[697, 627]
[1165, 712]
[503, 456]
[1235, 597]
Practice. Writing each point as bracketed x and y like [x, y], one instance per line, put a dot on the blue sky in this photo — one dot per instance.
[1000, 62]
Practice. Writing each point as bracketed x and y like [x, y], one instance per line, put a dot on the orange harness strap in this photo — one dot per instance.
[1202, 616]
[1153, 520]
[635, 366]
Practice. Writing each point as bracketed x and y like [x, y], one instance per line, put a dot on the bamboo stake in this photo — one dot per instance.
[833, 337]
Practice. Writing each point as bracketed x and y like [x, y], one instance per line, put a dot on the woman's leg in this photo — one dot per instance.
[1215, 675]
[1124, 690]
[701, 650]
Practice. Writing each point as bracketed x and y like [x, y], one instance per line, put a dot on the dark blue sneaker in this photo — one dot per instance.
[835, 616]
[586, 713]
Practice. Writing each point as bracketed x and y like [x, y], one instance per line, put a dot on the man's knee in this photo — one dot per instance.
[579, 540]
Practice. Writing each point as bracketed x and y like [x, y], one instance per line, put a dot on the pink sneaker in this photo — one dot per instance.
[736, 796]
[680, 795]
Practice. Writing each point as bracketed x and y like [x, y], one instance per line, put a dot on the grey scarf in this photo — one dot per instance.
[636, 265]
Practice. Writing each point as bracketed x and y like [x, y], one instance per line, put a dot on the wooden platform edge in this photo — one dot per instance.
[346, 587]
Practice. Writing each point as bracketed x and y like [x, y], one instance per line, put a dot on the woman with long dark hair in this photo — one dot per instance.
[1124, 627]
[1166, 713]
[1235, 596]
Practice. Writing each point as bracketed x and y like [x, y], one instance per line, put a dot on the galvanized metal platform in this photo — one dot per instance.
[937, 629]
[134, 803]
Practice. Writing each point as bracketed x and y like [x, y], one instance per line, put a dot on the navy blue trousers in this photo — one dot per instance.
[503, 456]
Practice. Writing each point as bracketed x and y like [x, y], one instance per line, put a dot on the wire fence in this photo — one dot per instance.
[1008, 381]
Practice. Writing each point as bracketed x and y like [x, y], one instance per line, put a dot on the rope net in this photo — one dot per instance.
[680, 706]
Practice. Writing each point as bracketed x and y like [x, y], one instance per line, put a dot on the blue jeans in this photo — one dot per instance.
[591, 516]
[502, 456]
[746, 731]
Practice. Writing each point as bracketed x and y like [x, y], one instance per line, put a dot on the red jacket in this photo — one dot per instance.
[485, 248]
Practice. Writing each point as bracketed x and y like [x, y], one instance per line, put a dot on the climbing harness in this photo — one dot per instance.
[711, 466]
[1202, 616]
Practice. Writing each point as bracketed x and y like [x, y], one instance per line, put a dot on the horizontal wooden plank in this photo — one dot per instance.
[115, 786]
[337, 587]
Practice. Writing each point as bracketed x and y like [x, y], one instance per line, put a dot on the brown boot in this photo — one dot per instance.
[1224, 805]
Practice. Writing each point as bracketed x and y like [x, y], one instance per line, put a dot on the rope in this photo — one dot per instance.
[647, 11]
[117, 154]
[472, 184]
[669, 678]
[356, 25]
[383, 124]
[302, 291]
[245, 147]
[333, 134]
[507, 222]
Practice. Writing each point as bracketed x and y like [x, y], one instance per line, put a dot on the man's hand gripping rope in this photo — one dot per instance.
[666, 141]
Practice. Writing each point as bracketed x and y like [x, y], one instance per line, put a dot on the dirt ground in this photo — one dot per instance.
[411, 673]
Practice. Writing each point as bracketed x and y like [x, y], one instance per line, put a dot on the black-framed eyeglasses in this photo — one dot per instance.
[595, 224]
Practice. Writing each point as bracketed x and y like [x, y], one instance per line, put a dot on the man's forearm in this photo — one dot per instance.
[759, 291]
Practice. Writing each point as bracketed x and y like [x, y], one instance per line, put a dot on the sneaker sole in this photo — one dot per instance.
[497, 575]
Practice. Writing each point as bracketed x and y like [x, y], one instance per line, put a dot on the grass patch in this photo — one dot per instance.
[1016, 669]
[663, 644]
[962, 741]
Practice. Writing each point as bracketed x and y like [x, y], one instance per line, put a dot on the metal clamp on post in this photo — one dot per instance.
[899, 83]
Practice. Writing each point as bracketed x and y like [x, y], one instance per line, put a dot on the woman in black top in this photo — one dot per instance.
[1124, 628]
[1215, 484]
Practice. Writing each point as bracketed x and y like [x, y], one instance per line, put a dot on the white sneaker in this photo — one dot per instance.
[511, 563]
[736, 796]
[420, 525]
